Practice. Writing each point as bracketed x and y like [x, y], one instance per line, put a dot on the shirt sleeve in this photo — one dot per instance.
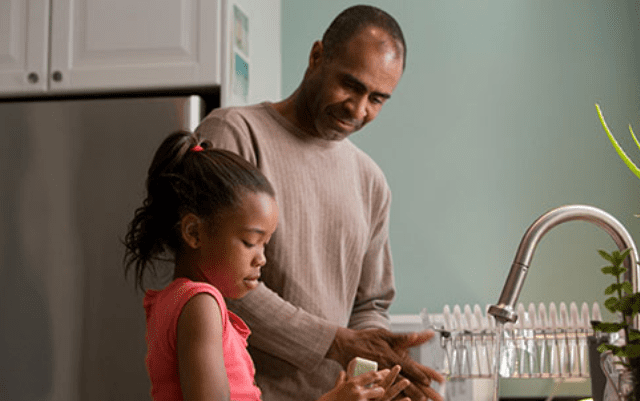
[376, 289]
[278, 327]
[283, 330]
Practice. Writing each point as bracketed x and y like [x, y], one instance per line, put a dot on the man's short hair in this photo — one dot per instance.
[350, 21]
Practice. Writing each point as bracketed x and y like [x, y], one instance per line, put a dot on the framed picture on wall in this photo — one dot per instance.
[238, 64]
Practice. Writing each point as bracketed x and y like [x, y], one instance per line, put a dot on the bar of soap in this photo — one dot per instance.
[361, 366]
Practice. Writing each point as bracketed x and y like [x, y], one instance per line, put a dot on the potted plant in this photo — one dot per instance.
[626, 303]
[622, 301]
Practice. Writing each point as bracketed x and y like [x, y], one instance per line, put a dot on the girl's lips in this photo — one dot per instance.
[251, 283]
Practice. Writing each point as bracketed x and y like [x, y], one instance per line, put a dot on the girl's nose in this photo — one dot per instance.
[260, 260]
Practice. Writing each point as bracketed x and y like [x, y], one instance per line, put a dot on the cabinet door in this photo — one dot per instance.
[108, 45]
[24, 30]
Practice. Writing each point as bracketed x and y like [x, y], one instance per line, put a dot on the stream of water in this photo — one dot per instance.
[496, 360]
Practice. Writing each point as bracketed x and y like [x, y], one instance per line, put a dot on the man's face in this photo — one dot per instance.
[346, 91]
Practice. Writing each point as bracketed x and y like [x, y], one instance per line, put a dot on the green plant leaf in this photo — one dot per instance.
[606, 327]
[631, 350]
[608, 347]
[626, 252]
[613, 270]
[613, 288]
[634, 137]
[627, 287]
[634, 169]
[620, 352]
[630, 304]
[612, 304]
[608, 270]
[605, 255]
[634, 335]
[619, 257]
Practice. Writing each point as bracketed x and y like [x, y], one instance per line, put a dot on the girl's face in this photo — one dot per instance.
[232, 251]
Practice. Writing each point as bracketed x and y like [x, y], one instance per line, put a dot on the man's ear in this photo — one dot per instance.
[315, 56]
[190, 226]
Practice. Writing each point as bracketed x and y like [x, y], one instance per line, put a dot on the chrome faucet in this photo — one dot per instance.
[504, 311]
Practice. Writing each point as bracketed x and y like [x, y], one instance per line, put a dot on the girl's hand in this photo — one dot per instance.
[388, 349]
[368, 386]
[393, 388]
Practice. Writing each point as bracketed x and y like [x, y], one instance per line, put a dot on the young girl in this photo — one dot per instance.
[214, 213]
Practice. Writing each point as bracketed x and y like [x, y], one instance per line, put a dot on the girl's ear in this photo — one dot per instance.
[190, 226]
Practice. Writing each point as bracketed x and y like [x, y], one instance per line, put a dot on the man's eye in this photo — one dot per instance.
[248, 244]
[353, 86]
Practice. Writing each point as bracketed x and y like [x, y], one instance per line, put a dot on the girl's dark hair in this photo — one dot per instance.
[186, 176]
[353, 19]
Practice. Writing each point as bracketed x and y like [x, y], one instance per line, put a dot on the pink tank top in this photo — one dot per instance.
[162, 310]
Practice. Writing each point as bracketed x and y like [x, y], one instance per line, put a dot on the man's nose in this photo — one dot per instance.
[357, 106]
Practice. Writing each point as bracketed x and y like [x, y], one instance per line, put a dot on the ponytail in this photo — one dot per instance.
[186, 176]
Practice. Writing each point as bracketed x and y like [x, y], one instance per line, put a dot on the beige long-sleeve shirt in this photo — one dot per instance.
[329, 261]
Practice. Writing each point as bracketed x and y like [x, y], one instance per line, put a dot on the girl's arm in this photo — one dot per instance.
[374, 385]
[199, 347]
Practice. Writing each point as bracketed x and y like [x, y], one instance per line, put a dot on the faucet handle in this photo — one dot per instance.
[503, 313]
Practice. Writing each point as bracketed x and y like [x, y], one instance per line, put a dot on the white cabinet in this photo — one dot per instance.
[71, 46]
[24, 36]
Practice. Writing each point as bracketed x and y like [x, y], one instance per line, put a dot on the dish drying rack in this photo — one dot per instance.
[545, 342]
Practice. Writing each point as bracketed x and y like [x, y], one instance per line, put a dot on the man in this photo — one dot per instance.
[328, 281]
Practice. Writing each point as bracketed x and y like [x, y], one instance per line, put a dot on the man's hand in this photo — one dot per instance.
[388, 349]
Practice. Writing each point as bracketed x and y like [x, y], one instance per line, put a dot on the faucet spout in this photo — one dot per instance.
[504, 311]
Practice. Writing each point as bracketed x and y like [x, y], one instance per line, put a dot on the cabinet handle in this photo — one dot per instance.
[33, 78]
[57, 76]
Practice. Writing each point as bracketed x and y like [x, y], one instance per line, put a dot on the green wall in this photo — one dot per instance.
[493, 124]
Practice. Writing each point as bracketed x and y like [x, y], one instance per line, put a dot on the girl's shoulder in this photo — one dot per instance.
[179, 292]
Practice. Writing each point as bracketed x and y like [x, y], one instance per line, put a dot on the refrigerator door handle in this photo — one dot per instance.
[196, 111]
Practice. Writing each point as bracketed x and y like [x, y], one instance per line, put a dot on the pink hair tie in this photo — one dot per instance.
[197, 148]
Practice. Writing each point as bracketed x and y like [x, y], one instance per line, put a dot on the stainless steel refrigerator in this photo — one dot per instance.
[71, 175]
